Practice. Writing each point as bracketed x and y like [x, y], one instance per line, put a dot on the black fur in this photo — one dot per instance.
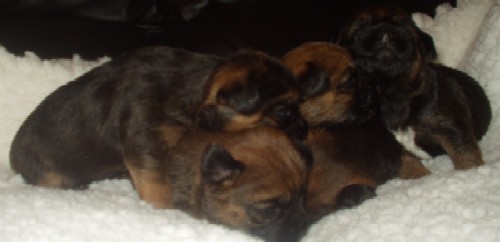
[447, 108]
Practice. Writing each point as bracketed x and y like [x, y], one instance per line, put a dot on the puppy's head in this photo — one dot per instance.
[250, 89]
[331, 89]
[253, 180]
[385, 40]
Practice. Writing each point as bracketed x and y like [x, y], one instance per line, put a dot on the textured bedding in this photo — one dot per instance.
[448, 205]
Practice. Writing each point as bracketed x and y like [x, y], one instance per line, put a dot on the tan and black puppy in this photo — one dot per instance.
[353, 151]
[330, 89]
[126, 114]
[253, 180]
[431, 108]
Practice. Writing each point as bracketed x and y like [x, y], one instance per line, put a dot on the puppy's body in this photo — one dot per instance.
[253, 180]
[447, 109]
[350, 161]
[128, 113]
[353, 151]
[462, 103]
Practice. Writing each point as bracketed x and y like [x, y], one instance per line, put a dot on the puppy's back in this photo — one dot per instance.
[75, 131]
[477, 100]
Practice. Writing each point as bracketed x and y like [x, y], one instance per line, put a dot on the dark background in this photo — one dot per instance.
[274, 26]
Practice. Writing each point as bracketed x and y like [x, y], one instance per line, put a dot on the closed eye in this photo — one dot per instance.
[268, 210]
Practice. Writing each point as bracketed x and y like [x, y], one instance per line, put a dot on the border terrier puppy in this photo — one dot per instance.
[432, 109]
[353, 152]
[253, 180]
[124, 116]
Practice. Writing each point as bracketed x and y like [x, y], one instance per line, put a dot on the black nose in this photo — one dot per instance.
[385, 37]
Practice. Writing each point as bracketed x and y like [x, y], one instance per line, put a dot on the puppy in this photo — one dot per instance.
[124, 116]
[331, 91]
[353, 152]
[253, 180]
[434, 107]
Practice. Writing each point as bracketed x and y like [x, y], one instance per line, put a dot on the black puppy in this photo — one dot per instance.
[440, 108]
[126, 115]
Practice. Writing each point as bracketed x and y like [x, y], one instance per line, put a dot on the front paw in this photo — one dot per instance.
[354, 195]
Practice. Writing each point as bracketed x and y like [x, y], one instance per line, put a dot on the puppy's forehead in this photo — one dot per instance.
[271, 157]
[384, 13]
[331, 58]
[251, 68]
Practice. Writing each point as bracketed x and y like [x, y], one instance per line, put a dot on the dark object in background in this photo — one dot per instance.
[59, 29]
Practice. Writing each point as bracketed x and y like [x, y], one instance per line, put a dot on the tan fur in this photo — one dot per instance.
[273, 169]
[152, 185]
[412, 167]
[336, 62]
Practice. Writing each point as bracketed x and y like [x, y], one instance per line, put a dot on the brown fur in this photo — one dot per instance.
[258, 188]
[330, 89]
[353, 152]
[126, 115]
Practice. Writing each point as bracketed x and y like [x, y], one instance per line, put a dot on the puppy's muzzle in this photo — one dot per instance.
[387, 40]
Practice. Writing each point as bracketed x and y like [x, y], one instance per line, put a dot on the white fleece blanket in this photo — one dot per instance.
[448, 205]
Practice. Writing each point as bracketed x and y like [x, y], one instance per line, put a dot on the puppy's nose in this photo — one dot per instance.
[385, 37]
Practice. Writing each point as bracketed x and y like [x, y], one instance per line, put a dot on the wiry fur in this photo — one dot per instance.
[447, 109]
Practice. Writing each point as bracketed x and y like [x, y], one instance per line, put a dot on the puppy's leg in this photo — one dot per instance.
[412, 167]
[462, 149]
[356, 190]
[353, 195]
[150, 181]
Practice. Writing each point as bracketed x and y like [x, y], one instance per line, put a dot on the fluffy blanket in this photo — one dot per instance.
[448, 205]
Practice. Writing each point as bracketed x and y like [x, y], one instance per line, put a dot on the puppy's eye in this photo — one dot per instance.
[346, 86]
[282, 111]
[266, 211]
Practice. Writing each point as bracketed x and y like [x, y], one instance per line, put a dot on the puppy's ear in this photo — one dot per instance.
[427, 45]
[314, 81]
[219, 167]
[240, 97]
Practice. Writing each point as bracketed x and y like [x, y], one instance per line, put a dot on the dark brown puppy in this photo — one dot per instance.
[253, 180]
[353, 152]
[125, 115]
[436, 107]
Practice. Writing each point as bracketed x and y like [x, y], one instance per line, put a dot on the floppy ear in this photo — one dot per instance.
[314, 81]
[427, 45]
[219, 167]
[243, 98]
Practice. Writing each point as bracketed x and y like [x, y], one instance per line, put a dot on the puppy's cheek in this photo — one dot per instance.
[240, 121]
[230, 215]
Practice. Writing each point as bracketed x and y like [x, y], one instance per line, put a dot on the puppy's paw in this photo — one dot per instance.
[354, 195]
